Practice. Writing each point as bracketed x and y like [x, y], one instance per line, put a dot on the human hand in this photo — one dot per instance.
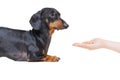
[92, 44]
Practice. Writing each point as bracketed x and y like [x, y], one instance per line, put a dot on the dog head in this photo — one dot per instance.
[49, 16]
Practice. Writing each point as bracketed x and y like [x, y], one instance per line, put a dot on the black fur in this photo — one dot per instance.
[22, 45]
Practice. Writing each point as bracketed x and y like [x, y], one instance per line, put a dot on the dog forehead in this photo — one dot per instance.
[47, 11]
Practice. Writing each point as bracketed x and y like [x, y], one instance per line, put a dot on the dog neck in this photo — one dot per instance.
[42, 38]
[51, 31]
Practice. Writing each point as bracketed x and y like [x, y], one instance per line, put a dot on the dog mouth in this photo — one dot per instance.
[58, 28]
[64, 26]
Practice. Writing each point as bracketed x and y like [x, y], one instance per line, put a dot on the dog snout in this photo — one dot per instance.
[65, 25]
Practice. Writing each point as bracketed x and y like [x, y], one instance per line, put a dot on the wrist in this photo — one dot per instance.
[104, 43]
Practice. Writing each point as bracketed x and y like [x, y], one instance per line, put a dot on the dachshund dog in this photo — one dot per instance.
[32, 45]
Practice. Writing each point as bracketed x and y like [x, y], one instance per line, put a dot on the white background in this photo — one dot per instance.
[88, 19]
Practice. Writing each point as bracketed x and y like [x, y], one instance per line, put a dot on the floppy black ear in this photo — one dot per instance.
[35, 21]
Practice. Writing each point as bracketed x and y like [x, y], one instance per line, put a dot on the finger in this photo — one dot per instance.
[80, 45]
[88, 42]
[76, 44]
[87, 46]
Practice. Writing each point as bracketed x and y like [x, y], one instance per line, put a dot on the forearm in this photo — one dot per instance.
[115, 46]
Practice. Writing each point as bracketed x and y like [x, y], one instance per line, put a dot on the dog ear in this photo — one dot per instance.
[35, 21]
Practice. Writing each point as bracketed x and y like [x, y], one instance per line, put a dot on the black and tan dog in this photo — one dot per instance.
[32, 45]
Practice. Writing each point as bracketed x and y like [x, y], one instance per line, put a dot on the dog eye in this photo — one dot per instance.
[52, 15]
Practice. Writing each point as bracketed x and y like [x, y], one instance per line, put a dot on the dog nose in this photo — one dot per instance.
[65, 25]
